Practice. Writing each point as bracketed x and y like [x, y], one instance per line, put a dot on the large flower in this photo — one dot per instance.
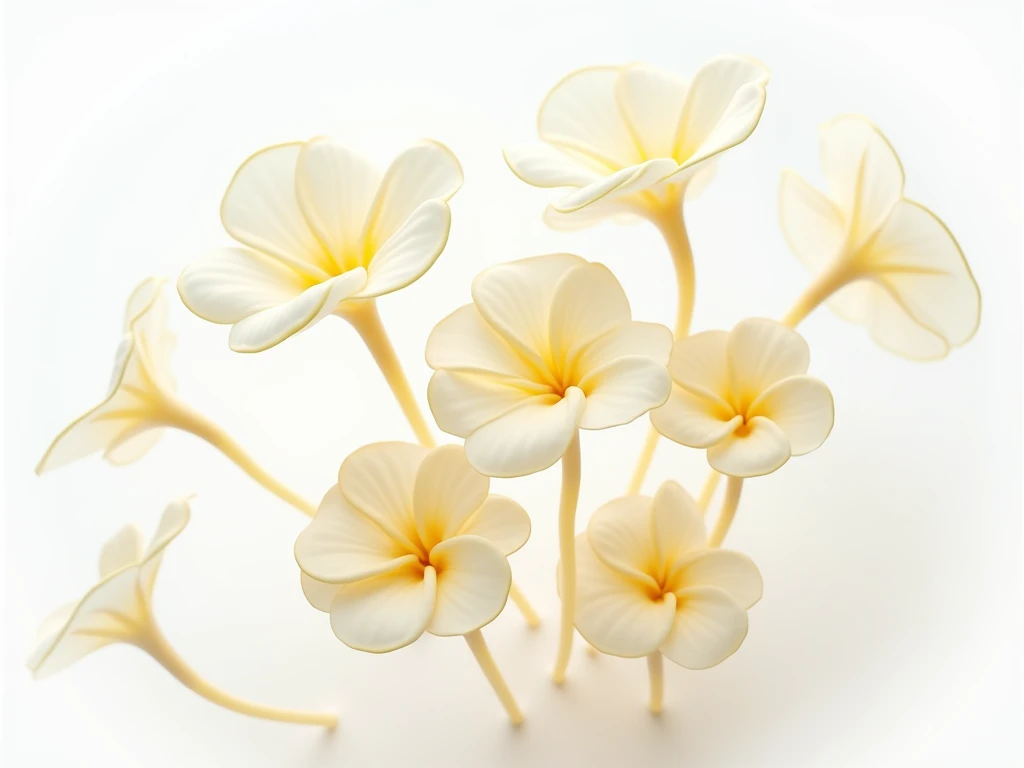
[546, 347]
[745, 396]
[128, 422]
[409, 541]
[647, 582]
[320, 225]
[628, 139]
[887, 262]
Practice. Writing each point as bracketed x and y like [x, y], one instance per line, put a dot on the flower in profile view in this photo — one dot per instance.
[627, 140]
[745, 396]
[648, 584]
[129, 420]
[318, 225]
[886, 262]
[548, 346]
[409, 541]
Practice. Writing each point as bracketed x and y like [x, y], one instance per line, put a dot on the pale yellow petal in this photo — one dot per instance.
[461, 403]
[473, 581]
[756, 448]
[802, 407]
[694, 421]
[446, 494]
[621, 536]
[651, 102]
[502, 522]
[762, 352]
[709, 627]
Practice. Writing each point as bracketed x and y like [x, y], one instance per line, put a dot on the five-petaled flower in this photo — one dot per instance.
[547, 346]
[647, 582]
[745, 396]
[628, 139]
[887, 262]
[319, 226]
[409, 541]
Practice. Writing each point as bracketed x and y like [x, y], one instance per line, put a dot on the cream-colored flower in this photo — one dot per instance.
[647, 582]
[895, 266]
[745, 396]
[407, 542]
[320, 225]
[546, 347]
[129, 421]
[628, 139]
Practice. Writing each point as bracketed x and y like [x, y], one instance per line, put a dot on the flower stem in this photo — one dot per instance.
[834, 277]
[153, 642]
[644, 462]
[476, 643]
[708, 491]
[656, 672]
[567, 546]
[725, 517]
[532, 619]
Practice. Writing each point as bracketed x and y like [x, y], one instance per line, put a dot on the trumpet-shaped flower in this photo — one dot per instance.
[409, 541]
[547, 346]
[128, 422]
[887, 262]
[319, 225]
[745, 396]
[647, 582]
[627, 139]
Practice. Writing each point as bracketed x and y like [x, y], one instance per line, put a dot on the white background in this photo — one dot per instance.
[889, 632]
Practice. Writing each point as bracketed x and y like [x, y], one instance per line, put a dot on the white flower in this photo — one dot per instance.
[319, 226]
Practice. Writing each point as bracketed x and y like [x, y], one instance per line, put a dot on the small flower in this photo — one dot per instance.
[647, 583]
[319, 226]
[546, 347]
[743, 395]
[409, 541]
[128, 422]
[628, 139]
[118, 608]
[892, 264]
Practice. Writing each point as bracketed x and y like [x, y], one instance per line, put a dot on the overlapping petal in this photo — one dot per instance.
[802, 407]
[473, 581]
[709, 626]
[447, 492]
[759, 447]
[501, 521]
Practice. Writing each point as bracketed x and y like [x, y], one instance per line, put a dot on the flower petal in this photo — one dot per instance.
[802, 407]
[411, 251]
[446, 494]
[527, 439]
[132, 445]
[677, 523]
[123, 549]
[709, 627]
[621, 536]
[893, 328]
[588, 302]
[732, 572]
[762, 352]
[173, 521]
[811, 223]
[542, 165]
[757, 448]
[650, 340]
[270, 327]
[629, 180]
[473, 580]
[320, 594]
[386, 612]
[700, 364]
[615, 614]
[260, 209]
[651, 102]
[462, 403]
[464, 342]
[620, 210]
[693, 421]
[341, 544]
[502, 522]
[623, 390]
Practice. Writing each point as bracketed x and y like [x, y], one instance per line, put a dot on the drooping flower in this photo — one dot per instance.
[548, 346]
[745, 396]
[319, 225]
[882, 260]
[648, 584]
[629, 139]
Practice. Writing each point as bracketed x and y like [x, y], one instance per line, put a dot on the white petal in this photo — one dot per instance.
[893, 328]
[811, 223]
[733, 573]
[411, 251]
[700, 177]
[651, 102]
[650, 340]
[757, 448]
[677, 523]
[693, 421]
[700, 364]
[463, 341]
[527, 439]
[320, 594]
[154, 341]
[802, 407]
[614, 614]
[446, 494]
[623, 390]
[622, 538]
[462, 403]
[588, 302]
[172, 522]
[502, 522]
[131, 446]
[260, 209]
[709, 627]
[143, 299]
[271, 326]
[542, 165]
[473, 580]
[425, 171]
[342, 544]
[621, 210]
[761, 353]
[122, 550]
[628, 181]
[386, 612]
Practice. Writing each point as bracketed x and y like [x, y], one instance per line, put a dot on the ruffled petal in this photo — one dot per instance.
[757, 448]
[473, 580]
[588, 303]
[812, 224]
[693, 421]
[464, 342]
[541, 165]
[762, 352]
[709, 627]
[462, 402]
[446, 494]
[733, 573]
[651, 102]
[802, 407]
[123, 549]
[623, 390]
[677, 523]
[502, 522]
[410, 251]
[628, 181]
[622, 538]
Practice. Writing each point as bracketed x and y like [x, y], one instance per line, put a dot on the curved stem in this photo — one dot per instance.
[725, 517]
[708, 491]
[478, 646]
[656, 673]
[834, 277]
[530, 615]
[153, 642]
[644, 462]
[567, 551]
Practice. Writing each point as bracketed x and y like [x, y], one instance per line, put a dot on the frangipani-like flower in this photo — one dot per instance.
[628, 138]
[547, 346]
[407, 542]
[887, 262]
[745, 396]
[647, 583]
[320, 225]
[129, 421]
